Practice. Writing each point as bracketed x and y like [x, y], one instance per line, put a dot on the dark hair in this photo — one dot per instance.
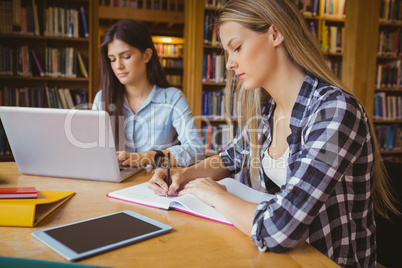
[136, 34]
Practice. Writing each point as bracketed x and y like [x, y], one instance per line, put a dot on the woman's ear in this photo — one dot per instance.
[147, 55]
[277, 36]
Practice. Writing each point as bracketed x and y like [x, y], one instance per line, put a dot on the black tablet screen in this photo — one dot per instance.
[96, 233]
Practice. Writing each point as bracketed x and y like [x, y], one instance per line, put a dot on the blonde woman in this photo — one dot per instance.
[305, 138]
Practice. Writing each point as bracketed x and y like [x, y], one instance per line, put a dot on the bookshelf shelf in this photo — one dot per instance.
[391, 152]
[171, 57]
[213, 47]
[40, 78]
[387, 121]
[391, 23]
[173, 68]
[6, 158]
[333, 54]
[215, 84]
[389, 89]
[388, 57]
[25, 37]
[332, 19]
[110, 12]
[219, 119]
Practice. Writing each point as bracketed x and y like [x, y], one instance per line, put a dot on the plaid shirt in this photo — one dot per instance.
[327, 198]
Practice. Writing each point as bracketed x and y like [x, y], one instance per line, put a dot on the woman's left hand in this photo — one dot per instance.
[206, 189]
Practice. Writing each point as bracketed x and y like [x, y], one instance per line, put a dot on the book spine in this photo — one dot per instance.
[37, 64]
[30, 19]
[82, 65]
[36, 18]
[84, 22]
[16, 11]
[62, 98]
[69, 98]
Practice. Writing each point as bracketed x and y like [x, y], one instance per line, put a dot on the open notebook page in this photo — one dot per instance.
[189, 203]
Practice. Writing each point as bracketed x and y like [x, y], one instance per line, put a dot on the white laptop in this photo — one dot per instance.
[64, 143]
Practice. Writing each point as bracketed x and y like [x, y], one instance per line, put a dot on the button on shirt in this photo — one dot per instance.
[164, 114]
[327, 198]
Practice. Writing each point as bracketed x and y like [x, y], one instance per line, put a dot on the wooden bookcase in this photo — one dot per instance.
[25, 76]
[361, 60]
[387, 111]
[170, 52]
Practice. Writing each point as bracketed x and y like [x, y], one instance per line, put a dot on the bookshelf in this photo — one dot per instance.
[216, 127]
[387, 104]
[170, 52]
[49, 34]
[326, 20]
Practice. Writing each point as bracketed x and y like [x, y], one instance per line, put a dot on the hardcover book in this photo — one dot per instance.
[18, 192]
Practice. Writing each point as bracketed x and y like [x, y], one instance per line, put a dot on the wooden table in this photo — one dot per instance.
[194, 241]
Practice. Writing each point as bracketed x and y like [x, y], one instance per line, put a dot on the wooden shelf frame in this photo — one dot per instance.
[115, 10]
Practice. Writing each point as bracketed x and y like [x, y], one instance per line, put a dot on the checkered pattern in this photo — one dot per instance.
[327, 198]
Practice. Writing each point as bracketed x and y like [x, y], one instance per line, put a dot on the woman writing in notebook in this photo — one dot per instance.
[304, 137]
[147, 113]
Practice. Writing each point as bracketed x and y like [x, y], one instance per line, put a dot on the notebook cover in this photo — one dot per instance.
[29, 212]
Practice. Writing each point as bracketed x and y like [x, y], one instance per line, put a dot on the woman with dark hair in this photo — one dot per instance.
[147, 114]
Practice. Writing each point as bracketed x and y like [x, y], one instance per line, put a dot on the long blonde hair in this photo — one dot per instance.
[304, 50]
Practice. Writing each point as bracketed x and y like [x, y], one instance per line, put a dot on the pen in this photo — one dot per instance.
[168, 169]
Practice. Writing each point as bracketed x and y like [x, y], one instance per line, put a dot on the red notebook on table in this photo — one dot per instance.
[18, 192]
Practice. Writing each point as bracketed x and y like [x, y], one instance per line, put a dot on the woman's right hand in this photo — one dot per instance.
[158, 182]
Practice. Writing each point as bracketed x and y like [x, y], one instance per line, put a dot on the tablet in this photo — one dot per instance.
[86, 238]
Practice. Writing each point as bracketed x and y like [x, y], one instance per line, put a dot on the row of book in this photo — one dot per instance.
[389, 43]
[336, 67]
[62, 62]
[18, 61]
[216, 137]
[65, 22]
[334, 8]
[307, 7]
[169, 50]
[391, 10]
[389, 75]
[332, 38]
[213, 68]
[215, 3]
[387, 107]
[389, 137]
[174, 79]
[167, 62]
[214, 106]
[19, 16]
[51, 97]
[59, 62]
[210, 31]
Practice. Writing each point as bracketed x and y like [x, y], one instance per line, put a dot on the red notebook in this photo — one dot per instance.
[18, 192]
